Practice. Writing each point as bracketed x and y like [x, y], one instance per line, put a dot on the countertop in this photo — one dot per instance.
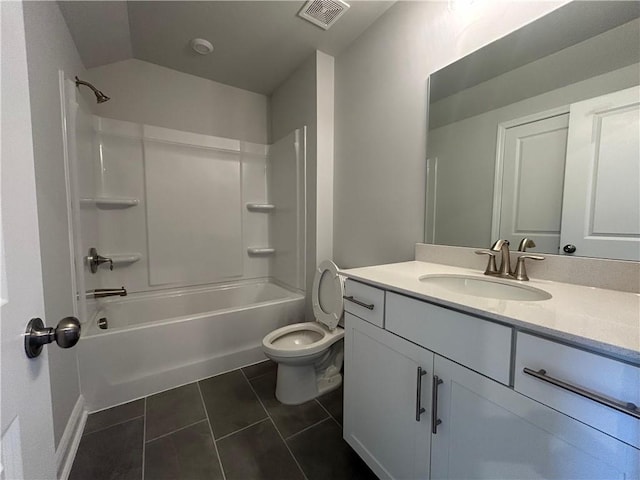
[606, 321]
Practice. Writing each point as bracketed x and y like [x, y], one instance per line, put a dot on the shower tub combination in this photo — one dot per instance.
[161, 340]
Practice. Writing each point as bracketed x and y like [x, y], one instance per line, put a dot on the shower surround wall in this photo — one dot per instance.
[178, 211]
[170, 208]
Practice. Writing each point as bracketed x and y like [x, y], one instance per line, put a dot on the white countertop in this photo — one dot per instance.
[607, 321]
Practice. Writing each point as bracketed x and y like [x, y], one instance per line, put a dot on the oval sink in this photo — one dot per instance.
[486, 287]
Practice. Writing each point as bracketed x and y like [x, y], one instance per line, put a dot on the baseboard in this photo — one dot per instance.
[66, 452]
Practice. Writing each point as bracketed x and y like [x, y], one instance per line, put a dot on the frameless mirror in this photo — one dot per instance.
[537, 135]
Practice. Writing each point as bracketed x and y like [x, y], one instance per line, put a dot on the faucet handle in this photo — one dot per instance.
[491, 269]
[520, 272]
[94, 260]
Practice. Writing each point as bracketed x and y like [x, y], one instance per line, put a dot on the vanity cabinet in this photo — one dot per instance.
[387, 382]
[484, 428]
[490, 431]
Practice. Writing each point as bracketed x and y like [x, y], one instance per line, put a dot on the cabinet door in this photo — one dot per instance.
[382, 391]
[490, 431]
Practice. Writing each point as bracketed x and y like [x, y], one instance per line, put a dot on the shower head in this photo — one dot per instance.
[100, 97]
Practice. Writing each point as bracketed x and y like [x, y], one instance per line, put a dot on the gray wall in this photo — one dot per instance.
[305, 98]
[50, 48]
[143, 92]
[380, 117]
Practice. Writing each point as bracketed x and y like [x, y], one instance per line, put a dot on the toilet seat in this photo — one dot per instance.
[326, 295]
[291, 340]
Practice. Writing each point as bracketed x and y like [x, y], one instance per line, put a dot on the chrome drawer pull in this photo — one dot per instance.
[358, 302]
[435, 421]
[624, 407]
[419, 408]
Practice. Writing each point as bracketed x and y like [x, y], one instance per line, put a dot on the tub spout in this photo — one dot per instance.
[107, 292]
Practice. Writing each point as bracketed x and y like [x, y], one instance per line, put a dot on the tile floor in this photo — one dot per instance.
[225, 427]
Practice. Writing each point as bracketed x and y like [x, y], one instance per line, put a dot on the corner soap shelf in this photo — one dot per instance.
[260, 207]
[109, 203]
[260, 251]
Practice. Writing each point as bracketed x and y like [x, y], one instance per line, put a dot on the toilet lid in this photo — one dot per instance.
[327, 294]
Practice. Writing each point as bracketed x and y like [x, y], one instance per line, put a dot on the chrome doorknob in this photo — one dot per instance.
[568, 248]
[66, 335]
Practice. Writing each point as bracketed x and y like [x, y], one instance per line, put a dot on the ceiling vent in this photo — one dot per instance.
[323, 13]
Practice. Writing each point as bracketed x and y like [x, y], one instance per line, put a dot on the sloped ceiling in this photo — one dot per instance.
[257, 44]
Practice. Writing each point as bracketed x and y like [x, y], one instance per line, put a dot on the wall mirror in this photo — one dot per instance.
[537, 135]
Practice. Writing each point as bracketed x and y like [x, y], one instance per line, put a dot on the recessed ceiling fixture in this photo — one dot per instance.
[202, 46]
[323, 13]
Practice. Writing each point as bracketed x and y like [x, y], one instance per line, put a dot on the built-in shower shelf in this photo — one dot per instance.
[261, 207]
[260, 251]
[109, 203]
[124, 258]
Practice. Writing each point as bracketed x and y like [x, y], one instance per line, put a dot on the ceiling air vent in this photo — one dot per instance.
[323, 13]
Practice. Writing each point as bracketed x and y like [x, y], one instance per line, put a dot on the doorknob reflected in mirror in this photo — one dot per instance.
[66, 335]
[568, 248]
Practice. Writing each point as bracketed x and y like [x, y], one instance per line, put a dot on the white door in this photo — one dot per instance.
[383, 390]
[533, 164]
[25, 397]
[602, 195]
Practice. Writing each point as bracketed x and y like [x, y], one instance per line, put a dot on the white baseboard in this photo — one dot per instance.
[66, 452]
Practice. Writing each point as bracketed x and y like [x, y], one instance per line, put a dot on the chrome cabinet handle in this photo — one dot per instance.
[419, 408]
[358, 302]
[435, 421]
[624, 407]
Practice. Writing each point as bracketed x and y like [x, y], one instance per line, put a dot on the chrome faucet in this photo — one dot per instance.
[502, 246]
[106, 292]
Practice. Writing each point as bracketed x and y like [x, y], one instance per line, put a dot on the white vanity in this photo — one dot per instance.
[435, 382]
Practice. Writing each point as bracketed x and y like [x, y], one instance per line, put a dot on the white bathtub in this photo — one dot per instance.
[160, 340]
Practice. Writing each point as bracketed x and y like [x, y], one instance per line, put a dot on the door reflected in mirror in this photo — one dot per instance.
[538, 135]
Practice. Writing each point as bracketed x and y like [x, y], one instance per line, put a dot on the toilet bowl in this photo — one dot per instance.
[309, 355]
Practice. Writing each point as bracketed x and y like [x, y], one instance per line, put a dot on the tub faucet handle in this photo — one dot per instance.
[95, 260]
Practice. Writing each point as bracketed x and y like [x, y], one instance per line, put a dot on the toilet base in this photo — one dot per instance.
[299, 384]
[296, 384]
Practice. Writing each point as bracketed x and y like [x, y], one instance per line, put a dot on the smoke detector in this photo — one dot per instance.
[323, 13]
[202, 46]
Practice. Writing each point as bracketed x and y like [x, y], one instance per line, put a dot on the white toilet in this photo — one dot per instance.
[309, 355]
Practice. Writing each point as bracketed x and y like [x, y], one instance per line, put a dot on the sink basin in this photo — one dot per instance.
[486, 287]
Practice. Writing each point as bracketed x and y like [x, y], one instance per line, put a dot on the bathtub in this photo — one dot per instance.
[161, 340]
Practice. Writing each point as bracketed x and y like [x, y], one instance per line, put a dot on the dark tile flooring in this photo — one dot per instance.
[225, 427]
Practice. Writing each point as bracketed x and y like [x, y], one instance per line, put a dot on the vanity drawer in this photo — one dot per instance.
[364, 301]
[478, 344]
[597, 375]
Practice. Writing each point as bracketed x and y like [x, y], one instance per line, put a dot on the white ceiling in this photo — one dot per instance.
[257, 44]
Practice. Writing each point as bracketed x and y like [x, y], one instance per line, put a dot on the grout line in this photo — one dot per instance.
[242, 429]
[114, 425]
[213, 438]
[144, 436]
[329, 413]
[257, 376]
[274, 426]
[309, 427]
[175, 431]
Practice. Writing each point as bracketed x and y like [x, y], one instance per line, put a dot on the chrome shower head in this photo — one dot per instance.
[100, 97]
